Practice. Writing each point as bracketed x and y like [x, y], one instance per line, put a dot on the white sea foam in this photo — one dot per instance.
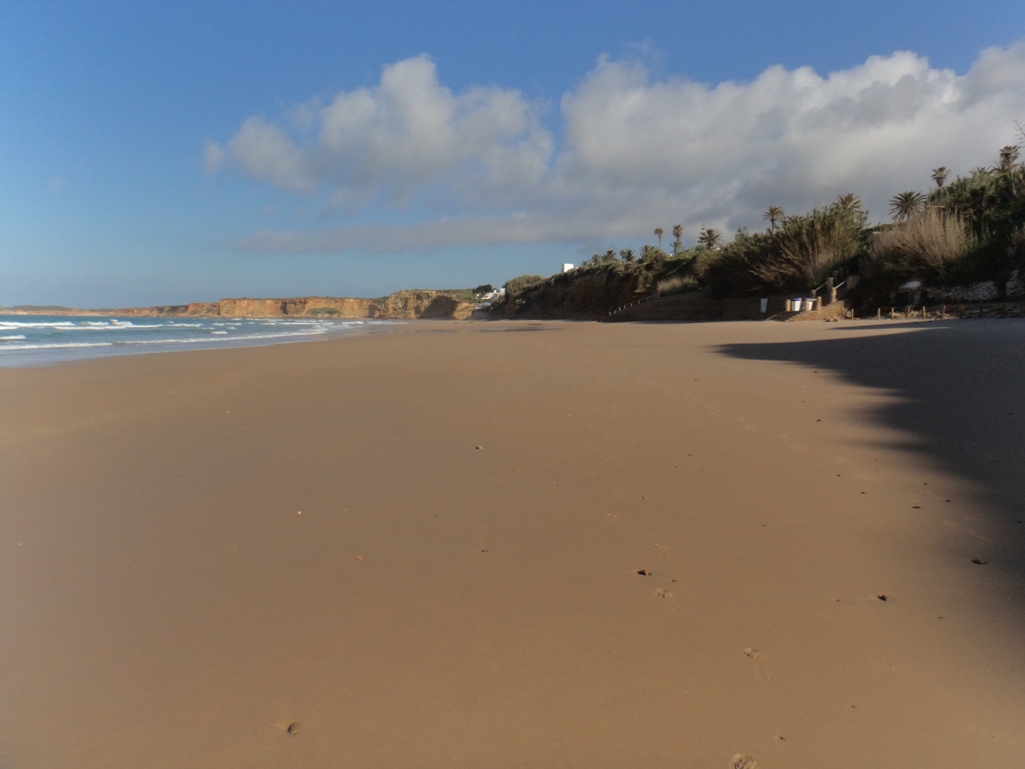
[42, 324]
[55, 346]
[46, 339]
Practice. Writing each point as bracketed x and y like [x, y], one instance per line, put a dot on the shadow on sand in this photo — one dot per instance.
[960, 399]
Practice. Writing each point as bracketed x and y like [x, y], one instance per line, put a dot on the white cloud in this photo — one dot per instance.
[407, 136]
[636, 152]
[213, 156]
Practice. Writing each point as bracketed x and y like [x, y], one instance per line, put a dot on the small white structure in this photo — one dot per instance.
[567, 267]
[491, 296]
[764, 305]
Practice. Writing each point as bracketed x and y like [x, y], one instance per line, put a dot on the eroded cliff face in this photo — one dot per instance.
[422, 304]
[402, 305]
[444, 307]
[578, 295]
[323, 306]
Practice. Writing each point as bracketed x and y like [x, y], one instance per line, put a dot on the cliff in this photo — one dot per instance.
[589, 294]
[402, 305]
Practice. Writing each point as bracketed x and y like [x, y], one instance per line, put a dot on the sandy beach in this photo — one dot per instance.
[521, 545]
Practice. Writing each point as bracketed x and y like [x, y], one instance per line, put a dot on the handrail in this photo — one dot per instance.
[649, 298]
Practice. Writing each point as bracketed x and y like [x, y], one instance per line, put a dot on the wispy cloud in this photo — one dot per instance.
[636, 152]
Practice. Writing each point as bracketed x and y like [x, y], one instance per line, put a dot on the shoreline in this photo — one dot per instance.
[48, 355]
[125, 336]
[424, 547]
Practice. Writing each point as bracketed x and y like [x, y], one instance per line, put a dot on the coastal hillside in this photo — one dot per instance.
[962, 241]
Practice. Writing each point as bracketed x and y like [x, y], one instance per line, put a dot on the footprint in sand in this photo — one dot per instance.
[740, 761]
[667, 596]
[762, 669]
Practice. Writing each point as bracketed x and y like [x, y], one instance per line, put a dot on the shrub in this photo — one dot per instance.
[799, 255]
[931, 245]
[522, 282]
[676, 284]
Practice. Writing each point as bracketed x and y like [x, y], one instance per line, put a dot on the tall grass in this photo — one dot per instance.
[811, 247]
[930, 245]
[800, 255]
[676, 284]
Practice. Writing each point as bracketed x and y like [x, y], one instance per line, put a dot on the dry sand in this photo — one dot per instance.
[461, 587]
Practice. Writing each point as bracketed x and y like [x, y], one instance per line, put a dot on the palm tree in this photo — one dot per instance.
[627, 255]
[773, 216]
[1005, 168]
[658, 234]
[711, 238]
[939, 175]
[850, 203]
[1008, 156]
[653, 256]
[678, 234]
[905, 204]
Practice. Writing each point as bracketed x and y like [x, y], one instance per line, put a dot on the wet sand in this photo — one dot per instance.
[567, 545]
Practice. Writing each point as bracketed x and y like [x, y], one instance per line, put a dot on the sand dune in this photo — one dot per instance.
[569, 545]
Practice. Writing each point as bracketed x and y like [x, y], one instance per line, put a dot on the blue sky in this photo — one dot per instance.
[168, 152]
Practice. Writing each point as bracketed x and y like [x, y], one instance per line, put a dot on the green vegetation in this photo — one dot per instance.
[931, 245]
[796, 255]
[677, 284]
[467, 295]
[971, 229]
[324, 311]
[516, 285]
[962, 231]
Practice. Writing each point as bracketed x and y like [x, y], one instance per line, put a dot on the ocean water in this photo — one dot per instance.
[27, 340]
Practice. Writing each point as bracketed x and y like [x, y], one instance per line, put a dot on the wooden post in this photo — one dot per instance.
[892, 316]
[907, 312]
[925, 315]
[943, 312]
[962, 311]
[830, 291]
[879, 313]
